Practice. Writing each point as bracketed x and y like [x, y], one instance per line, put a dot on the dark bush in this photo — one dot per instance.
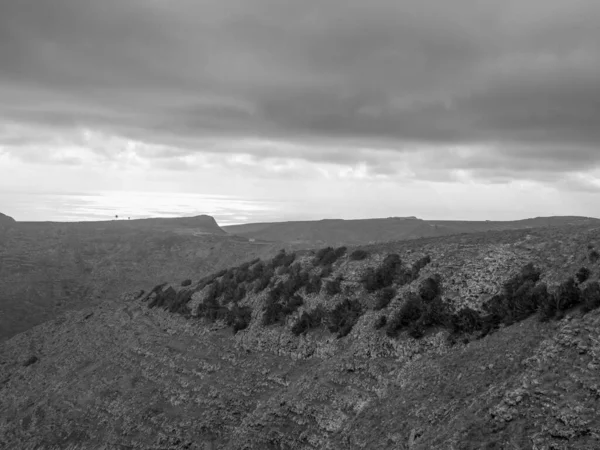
[333, 287]
[277, 311]
[326, 271]
[582, 274]
[590, 297]
[520, 298]
[255, 271]
[314, 284]
[265, 279]
[31, 360]
[409, 312]
[435, 313]
[568, 294]
[384, 275]
[418, 265]
[384, 297]
[308, 321]
[283, 259]
[593, 256]
[329, 255]
[172, 301]
[416, 330]
[358, 255]
[186, 282]
[380, 322]
[430, 288]
[466, 321]
[239, 318]
[343, 317]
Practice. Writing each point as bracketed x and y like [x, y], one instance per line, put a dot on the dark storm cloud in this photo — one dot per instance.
[520, 76]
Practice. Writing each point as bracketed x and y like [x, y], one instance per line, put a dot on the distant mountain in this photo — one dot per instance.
[47, 268]
[364, 231]
[473, 341]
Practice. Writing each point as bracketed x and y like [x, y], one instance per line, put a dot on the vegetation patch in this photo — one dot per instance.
[359, 255]
[343, 317]
[309, 320]
[393, 271]
[328, 255]
[384, 297]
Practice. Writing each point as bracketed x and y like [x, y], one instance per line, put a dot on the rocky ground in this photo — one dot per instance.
[123, 375]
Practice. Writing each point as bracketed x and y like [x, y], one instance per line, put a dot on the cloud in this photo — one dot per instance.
[395, 87]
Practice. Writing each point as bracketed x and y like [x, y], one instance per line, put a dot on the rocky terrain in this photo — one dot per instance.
[47, 268]
[354, 232]
[490, 341]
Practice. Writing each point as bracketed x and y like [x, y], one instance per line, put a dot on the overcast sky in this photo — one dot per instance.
[476, 109]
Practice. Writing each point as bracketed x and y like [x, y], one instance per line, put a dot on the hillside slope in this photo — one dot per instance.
[354, 232]
[47, 268]
[310, 365]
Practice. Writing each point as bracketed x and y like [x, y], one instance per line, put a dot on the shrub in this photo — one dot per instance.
[593, 256]
[466, 321]
[582, 274]
[418, 265]
[283, 259]
[328, 255]
[333, 287]
[308, 321]
[380, 322]
[568, 295]
[358, 255]
[239, 318]
[343, 317]
[265, 279]
[277, 311]
[416, 330]
[384, 297]
[314, 285]
[172, 301]
[519, 299]
[326, 271]
[409, 312]
[434, 313]
[186, 282]
[384, 275]
[430, 288]
[590, 297]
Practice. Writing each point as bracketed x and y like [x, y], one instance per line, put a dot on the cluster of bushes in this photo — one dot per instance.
[343, 317]
[384, 275]
[329, 255]
[333, 287]
[277, 311]
[171, 300]
[340, 320]
[384, 297]
[237, 317]
[391, 271]
[283, 259]
[522, 296]
[309, 320]
[419, 311]
[358, 255]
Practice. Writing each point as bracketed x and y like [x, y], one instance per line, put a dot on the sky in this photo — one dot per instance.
[265, 110]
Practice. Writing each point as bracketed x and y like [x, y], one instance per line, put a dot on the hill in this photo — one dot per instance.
[483, 340]
[6, 221]
[47, 268]
[354, 232]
